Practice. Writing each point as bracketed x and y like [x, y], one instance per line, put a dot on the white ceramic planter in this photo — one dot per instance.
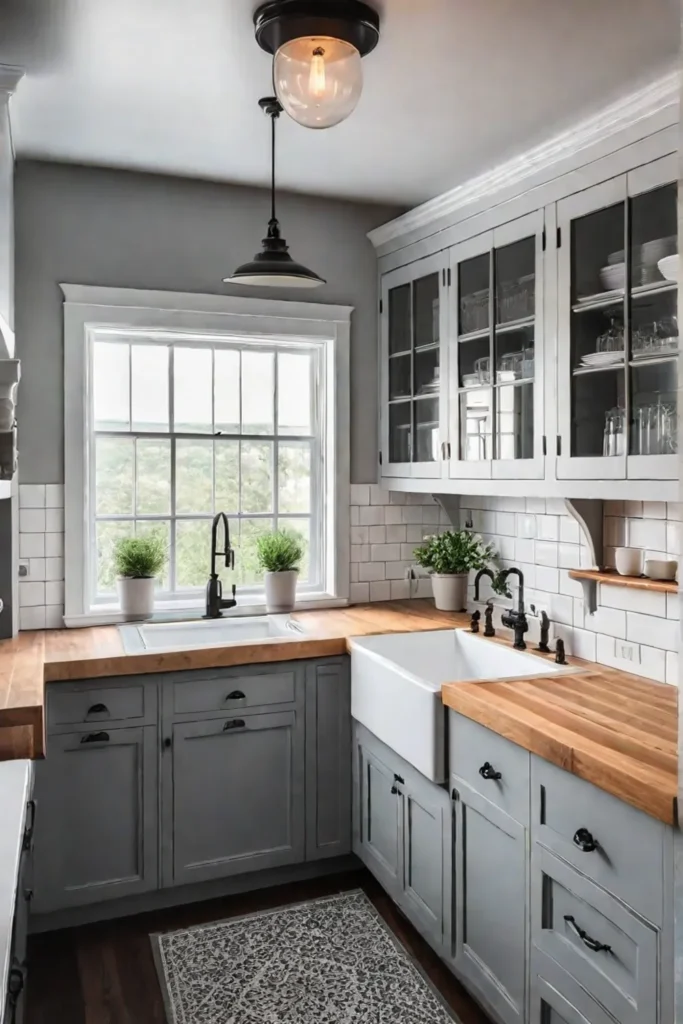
[450, 592]
[281, 590]
[136, 597]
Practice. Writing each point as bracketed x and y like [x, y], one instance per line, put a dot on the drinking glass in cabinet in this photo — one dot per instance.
[400, 316]
[470, 354]
[654, 417]
[595, 393]
[426, 413]
[656, 339]
[473, 289]
[426, 370]
[476, 425]
[516, 281]
[653, 235]
[613, 437]
[482, 368]
[399, 432]
[515, 421]
[426, 311]
[597, 254]
[399, 376]
[597, 338]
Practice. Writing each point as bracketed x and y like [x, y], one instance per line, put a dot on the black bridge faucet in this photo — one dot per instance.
[215, 603]
[516, 620]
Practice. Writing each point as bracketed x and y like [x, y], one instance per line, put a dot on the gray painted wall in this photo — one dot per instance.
[101, 227]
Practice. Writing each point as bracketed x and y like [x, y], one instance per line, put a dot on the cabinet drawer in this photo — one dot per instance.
[226, 692]
[609, 951]
[73, 705]
[570, 816]
[476, 752]
[556, 998]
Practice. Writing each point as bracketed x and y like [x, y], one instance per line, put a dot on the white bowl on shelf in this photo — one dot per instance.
[612, 277]
[660, 569]
[668, 267]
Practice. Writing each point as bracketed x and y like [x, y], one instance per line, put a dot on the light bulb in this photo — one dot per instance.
[318, 80]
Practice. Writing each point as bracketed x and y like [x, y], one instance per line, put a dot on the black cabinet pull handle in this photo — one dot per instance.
[167, 743]
[585, 841]
[96, 737]
[28, 895]
[234, 723]
[30, 822]
[97, 709]
[487, 771]
[597, 947]
[15, 985]
[398, 778]
[235, 695]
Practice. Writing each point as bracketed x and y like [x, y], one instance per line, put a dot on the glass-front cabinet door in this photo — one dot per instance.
[618, 328]
[413, 332]
[495, 353]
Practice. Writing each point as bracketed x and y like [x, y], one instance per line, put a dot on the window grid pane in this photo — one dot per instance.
[173, 484]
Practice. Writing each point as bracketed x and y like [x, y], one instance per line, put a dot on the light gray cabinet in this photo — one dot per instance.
[96, 834]
[234, 796]
[328, 759]
[402, 833]
[491, 900]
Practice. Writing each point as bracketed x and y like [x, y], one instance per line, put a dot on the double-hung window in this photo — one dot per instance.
[184, 414]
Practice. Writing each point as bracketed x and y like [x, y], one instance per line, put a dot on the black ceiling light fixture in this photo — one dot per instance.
[317, 46]
[273, 266]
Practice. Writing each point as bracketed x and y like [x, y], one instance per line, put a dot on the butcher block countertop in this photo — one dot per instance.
[616, 730]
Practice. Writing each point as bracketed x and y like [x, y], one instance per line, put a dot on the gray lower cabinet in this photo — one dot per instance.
[96, 834]
[491, 900]
[328, 759]
[233, 796]
[556, 998]
[402, 833]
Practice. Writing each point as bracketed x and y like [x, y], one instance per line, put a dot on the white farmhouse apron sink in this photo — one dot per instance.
[396, 684]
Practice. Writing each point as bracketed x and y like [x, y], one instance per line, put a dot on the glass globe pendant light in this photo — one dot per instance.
[273, 267]
[317, 47]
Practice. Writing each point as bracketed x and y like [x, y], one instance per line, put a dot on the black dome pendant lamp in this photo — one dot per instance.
[273, 267]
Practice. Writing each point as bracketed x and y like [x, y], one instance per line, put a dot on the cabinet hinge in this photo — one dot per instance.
[545, 445]
[381, 306]
[558, 445]
[543, 240]
[559, 238]
[380, 458]
[449, 277]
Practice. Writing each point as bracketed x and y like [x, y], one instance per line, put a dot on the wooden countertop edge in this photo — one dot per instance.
[644, 787]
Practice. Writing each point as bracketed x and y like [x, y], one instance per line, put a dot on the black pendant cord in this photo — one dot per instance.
[272, 108]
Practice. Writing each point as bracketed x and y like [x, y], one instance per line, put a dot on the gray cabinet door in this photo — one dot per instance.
[328, 759]
[233, 796]
[427, 858]
[378, 818]
[96, 833]
[491, 900]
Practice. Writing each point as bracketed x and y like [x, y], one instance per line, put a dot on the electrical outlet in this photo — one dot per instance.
[628, 652]
[23, 569]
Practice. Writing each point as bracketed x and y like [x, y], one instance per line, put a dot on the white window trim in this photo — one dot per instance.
[87, 309]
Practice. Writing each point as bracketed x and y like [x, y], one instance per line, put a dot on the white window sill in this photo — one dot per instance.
[168, 611]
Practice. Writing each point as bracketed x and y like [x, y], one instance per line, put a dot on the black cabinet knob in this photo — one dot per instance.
[96, 737]
[487, 771]
[234, 723]
[585, 841]
[235, 695]
[394, 790]
[98, 709]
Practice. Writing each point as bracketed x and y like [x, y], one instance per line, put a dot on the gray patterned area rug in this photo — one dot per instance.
[327, 961]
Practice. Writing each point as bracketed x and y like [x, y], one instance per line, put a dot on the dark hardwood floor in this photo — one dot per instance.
[104, 973]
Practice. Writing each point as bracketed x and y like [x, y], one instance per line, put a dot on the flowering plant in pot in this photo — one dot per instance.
[449, 557]
[138, 562]
[279, 556]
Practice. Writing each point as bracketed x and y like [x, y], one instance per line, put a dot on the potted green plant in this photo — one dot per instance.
[279, 556]
[449, 557]
[138, 561]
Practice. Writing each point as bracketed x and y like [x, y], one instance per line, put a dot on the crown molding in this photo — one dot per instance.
[541, 162]
[9, 78]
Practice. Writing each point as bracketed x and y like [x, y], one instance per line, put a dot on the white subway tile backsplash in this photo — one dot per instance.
[377, 534]
[673, 538]
[400, 590]
[31, 593]
[396, 570]
[649, 534]
[584, 644]
[568, 586]
[505, 524]
[385, 552]
[359, 534]
[524, 550]
[31, 545]
[54, 496]
[54, 568]
[654, 509]
[31, 496]
[569, 556]
[548, 527]
[672, 668]
[430, 514]
[412, 513]
[633, 508]
[32, 617]
[570, 532]
[371, 572]
[653, 663]
[353, 572]
[36, 569]
[633, 600]
[359, 593]
[354, 516]
[536, 505]
[397, 498]
[546, 553]
[54, 592]
[54, 545]
[561, 609]
[378, 496]
[556, 507]
[360, 494]
[673, 607]
[526, 526]
[613, 508]
[32, 520]
[413, 534]
[614, 531]
[611, 621]
[392, 514]
[547, 579]
[673, 511]
[380, 591]
[371, 515]
[54, 616]
[505, 548]
[648, 629]
[396, 534]
[54, 520]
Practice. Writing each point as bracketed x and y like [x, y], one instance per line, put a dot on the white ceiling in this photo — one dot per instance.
[454, 87]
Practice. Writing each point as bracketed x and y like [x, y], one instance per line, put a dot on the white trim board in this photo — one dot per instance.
[635, 116]
[10, 77]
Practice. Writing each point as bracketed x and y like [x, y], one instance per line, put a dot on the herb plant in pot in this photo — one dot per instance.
[279, 555]
[449, 557]
[138, 561]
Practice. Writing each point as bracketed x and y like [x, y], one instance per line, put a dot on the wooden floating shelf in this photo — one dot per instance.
[613, 578]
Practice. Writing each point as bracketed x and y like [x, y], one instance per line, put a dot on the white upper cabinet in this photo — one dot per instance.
[617, 373]
[495, 353]
[414, 329]
[541, 353]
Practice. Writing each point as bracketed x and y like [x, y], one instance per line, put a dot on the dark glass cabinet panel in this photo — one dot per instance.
[414, 370]
[496, 353]
[624, 329]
